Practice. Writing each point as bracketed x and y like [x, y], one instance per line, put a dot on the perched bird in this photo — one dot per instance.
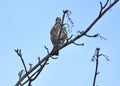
[58, 35]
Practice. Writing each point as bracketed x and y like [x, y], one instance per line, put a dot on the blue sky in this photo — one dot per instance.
[25, 24]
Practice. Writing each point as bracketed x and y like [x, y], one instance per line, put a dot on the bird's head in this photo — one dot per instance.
[58, 20]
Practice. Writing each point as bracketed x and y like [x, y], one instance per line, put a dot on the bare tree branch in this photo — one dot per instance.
[96, 58]
[36, 73]
[96, 68]
[18, 51]
[44, 60]
[91, 25]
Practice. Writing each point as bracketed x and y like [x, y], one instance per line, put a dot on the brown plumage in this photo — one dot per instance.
[58, 34]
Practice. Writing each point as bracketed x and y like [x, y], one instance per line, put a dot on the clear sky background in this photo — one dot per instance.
[26, 24]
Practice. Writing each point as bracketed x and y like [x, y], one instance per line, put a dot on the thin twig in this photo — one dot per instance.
[103, 7]
[105, 56]
[30, 65]
[78, 44]
[18, 51]
[46, 49]
[96, 35]
[54, 57]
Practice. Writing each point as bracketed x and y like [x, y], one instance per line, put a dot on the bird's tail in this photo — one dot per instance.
[55, 51]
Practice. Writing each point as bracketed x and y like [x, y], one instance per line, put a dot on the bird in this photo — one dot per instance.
[58, 35]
